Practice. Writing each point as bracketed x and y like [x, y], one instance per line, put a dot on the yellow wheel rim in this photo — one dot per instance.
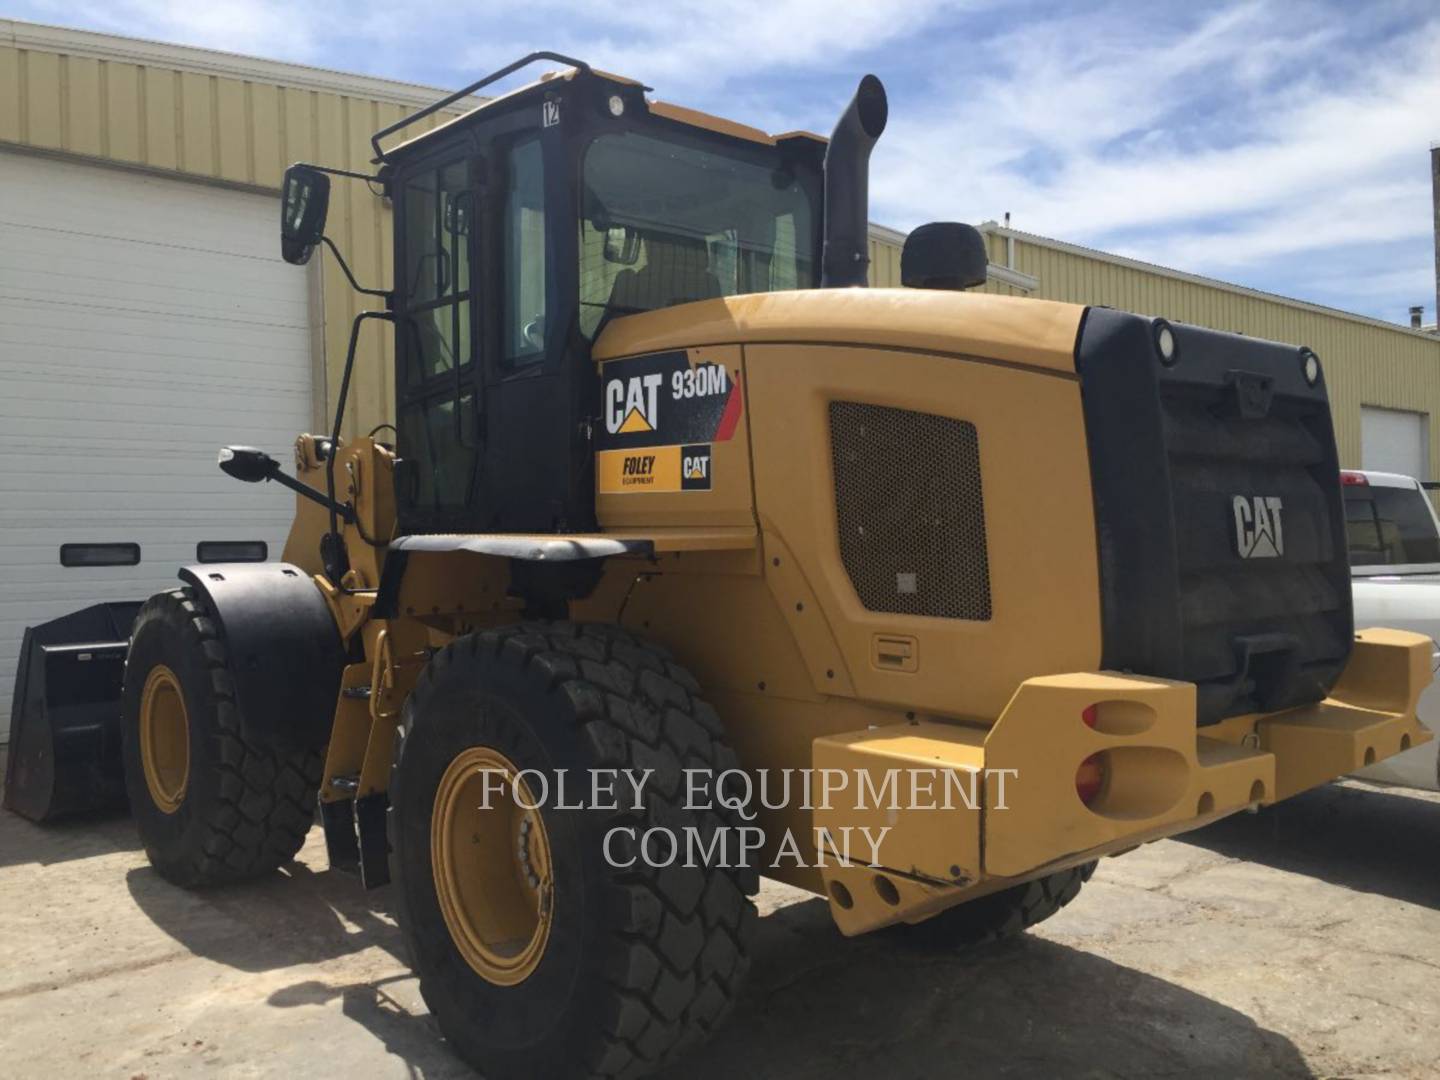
[164, 739]
[492, 866]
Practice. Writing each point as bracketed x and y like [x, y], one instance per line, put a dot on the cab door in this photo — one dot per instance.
[493, 381]
[438, 323]
[542, 386]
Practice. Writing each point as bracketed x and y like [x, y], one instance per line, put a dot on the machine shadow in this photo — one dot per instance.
[409, 1035]
[1370, 839]
[822, 1006]
[294, 916]
[819, 1005]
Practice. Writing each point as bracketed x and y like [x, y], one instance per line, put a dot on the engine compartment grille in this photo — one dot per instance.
[910, 510]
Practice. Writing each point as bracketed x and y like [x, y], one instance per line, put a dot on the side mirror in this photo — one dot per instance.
[247, 463]
[944, 255]
[304, 202]
[622, 245]
[459, 208]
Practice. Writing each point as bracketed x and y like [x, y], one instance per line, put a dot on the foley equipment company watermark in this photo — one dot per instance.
[738, 799]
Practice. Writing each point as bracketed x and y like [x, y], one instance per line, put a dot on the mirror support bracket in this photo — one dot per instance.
[349, 276]
[344, 510]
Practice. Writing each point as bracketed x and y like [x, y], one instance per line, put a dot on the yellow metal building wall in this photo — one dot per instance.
[1366, 363]
[235, 132]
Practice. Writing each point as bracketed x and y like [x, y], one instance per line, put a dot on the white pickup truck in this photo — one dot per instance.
[1394, 538]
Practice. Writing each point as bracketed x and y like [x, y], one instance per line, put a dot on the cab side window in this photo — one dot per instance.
[437, 411]
[439, 212]
[523, 257]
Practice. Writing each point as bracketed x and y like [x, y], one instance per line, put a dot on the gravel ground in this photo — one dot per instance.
[1302, 941]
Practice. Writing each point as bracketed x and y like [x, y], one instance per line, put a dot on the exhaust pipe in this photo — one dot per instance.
[846, 257]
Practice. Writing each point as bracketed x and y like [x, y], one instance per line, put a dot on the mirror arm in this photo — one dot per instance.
[369, 178]
[345, 511]
[348, 275]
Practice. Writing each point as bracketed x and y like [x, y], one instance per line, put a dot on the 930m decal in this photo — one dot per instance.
[663, 399]
[660, 415]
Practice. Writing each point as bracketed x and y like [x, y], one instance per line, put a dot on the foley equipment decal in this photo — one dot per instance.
[660, 414]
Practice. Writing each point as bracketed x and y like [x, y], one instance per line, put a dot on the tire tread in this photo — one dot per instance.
[264, 801]
[678, 946]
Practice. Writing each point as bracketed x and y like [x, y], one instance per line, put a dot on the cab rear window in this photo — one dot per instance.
[1386, 526]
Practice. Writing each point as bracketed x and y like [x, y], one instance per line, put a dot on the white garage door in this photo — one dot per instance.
[143, 323]
[1395, 440]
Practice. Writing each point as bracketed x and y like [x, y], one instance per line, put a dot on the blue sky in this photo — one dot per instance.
[1281, 144]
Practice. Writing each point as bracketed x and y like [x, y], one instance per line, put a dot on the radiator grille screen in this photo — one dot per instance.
[911, 513]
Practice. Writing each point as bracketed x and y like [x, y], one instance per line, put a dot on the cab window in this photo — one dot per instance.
[667, 223]
[437, 429]
[1387, 526]
[439, 212]
[523, 256]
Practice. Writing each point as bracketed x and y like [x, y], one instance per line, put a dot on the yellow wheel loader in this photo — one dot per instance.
[693, 560]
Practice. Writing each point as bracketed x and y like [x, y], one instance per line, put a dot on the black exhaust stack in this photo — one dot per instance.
[846, 258]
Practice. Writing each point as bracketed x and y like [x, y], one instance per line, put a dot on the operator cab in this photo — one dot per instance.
[521, 229]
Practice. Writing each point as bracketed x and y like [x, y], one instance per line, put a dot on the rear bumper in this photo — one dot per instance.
[1003, 805]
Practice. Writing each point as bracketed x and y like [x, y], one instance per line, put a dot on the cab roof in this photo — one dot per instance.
[678, 113]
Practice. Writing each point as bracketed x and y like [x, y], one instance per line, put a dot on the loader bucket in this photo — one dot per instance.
[65, 723]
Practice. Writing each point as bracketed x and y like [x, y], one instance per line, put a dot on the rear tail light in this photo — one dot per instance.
[1090, 777]
[1351, 478]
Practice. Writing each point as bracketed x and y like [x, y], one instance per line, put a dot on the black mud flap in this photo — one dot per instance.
[65, 722]
[286, 656]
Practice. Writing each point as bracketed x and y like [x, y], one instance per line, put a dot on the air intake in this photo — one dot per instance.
[911, 512]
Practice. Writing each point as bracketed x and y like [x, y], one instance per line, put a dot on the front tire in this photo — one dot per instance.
[213, 803]
[537, 955]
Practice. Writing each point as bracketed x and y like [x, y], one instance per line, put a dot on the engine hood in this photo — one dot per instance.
[1017, 330]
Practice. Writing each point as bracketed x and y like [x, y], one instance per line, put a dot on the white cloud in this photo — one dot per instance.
[1260, 136]
[259, 27]
[690, 43]
[704, 43]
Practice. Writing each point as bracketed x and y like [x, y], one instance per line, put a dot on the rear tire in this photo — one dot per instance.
[214, 803]
[1001, 914]
[634, 964]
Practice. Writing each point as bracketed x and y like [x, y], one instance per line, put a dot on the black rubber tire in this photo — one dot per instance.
[640, 963]
[248, 804]
[1000, 914]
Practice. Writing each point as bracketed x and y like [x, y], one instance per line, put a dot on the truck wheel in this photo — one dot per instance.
[1001, 914]
[538, 953]
[213, 803]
